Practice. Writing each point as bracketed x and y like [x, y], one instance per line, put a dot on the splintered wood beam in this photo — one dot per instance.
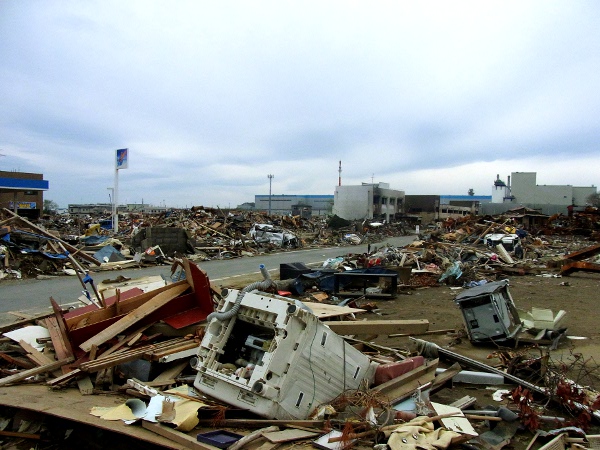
[62, 335]
[35, 371]
[135, 316]
[62, 349]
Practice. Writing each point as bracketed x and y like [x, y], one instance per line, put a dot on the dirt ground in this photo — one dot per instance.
[577, 294]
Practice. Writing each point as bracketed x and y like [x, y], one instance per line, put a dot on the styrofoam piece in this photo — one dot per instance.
[542, 319]
[276, 359]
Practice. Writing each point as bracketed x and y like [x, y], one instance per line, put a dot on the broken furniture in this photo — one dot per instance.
[489, 313]
[179, 304]
[366, 283]
[288, 271]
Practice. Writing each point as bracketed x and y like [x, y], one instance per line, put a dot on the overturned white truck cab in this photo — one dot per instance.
[271, 356]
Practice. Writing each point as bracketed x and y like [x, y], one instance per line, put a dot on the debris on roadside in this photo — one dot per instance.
[280, 361]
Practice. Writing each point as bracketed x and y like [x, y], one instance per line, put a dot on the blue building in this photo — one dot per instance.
[22, 192]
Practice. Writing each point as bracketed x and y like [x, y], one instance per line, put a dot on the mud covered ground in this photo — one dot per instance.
[579, 353]
[578, 295]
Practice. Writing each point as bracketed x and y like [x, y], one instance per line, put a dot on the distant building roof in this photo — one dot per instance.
[295, 196]
[472, 198]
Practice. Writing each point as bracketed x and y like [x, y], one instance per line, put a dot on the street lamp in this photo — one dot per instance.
[270, 181]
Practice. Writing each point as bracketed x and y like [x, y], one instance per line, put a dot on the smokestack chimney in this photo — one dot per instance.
[340, 174]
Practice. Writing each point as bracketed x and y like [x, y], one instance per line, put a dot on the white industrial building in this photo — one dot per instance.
[522, 189]
[367, 201]
[296, 205]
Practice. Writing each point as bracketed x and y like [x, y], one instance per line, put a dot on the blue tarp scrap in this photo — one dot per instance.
[93, 240]
[46, 254]
[108, 251]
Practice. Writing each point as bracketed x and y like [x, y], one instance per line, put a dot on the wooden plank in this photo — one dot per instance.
[37, 357]
[172, 372]
[404, 385]
[17, 434]
[21, 315]
[135, 316]
[122, 342]
[156, 355]
[345, 327]
[34, 354]
[126, 356]
[268, 446]
[427, 333]
[58, 342]
[19, 362]
[35, 371]
[257, 434]
[62, 327]
[125, 306]
[176, 436]
[65, 378]
[448, 374]
[464, 402]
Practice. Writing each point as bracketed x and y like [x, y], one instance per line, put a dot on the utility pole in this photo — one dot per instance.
[270, 177]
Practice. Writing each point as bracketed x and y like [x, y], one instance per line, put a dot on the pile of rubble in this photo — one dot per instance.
[280, 361]
[42, 249]
[203, 367]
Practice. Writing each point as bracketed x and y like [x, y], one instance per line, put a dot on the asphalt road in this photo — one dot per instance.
[32, 294]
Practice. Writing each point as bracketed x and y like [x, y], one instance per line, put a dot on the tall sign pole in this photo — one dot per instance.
[121, 162]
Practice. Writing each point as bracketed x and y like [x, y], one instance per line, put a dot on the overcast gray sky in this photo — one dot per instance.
[433, 97]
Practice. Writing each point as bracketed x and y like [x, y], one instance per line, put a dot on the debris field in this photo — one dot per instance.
[480, 334]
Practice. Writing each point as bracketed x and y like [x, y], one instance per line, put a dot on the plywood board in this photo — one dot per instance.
[70, 404]
[325, 311]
